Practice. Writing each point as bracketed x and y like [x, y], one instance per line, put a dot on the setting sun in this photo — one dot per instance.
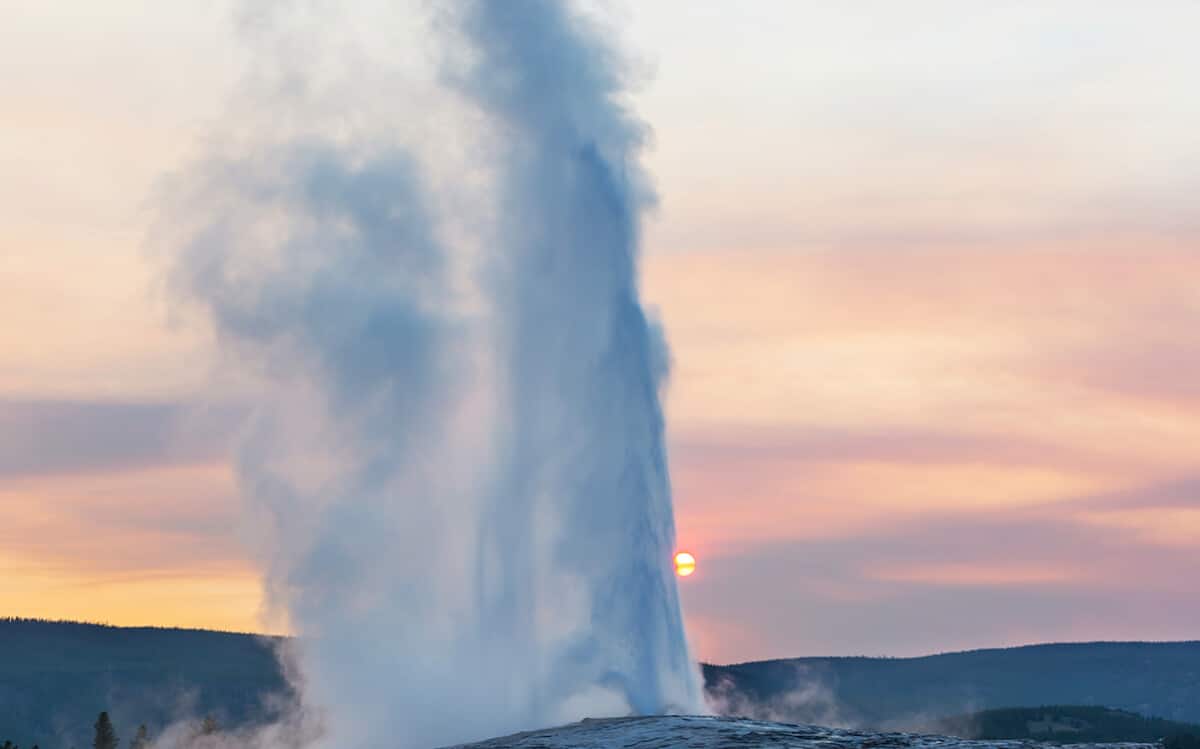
[685, 564]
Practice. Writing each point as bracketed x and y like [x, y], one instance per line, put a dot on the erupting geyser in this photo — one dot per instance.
[455, 470]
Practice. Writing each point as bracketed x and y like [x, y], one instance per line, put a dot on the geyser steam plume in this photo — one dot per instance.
[455, 472]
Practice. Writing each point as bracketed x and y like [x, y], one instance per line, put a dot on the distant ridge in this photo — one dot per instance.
[969, 651]
[152, 627]
[56, 675]
[1159, 679]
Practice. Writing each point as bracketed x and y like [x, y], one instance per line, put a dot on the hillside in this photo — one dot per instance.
[56, 676]
[1066, 724]
[1156, 679]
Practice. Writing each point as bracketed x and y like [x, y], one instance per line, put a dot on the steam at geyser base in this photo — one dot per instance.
[422, 256]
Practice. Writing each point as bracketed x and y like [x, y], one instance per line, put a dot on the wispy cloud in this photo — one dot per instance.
[62, 437]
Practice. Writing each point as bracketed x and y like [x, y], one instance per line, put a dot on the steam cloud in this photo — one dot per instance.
[455, 470]
[810, 700]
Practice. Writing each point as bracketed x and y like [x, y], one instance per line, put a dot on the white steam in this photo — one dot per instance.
[426, 253]
[809, 700]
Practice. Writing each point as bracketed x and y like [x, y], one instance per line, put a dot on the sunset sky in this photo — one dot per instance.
[930, 273]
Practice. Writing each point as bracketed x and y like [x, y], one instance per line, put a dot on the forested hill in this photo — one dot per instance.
[1154, 679]
[1064, 724]
[56, 676]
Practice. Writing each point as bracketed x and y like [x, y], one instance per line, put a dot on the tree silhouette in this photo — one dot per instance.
[106, 735]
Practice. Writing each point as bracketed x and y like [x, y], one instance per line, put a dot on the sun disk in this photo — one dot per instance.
[685, 564]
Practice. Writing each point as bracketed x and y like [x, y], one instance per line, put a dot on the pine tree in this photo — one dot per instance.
[141, 740]
[106, 735]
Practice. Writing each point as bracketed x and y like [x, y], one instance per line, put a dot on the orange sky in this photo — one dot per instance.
[931, 296]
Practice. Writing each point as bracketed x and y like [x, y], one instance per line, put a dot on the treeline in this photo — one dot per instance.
[1071, 724]
[55, 676]
[33, 621]
[1182, 741]
[1161, 679]
[39, 620]
[105, 734]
